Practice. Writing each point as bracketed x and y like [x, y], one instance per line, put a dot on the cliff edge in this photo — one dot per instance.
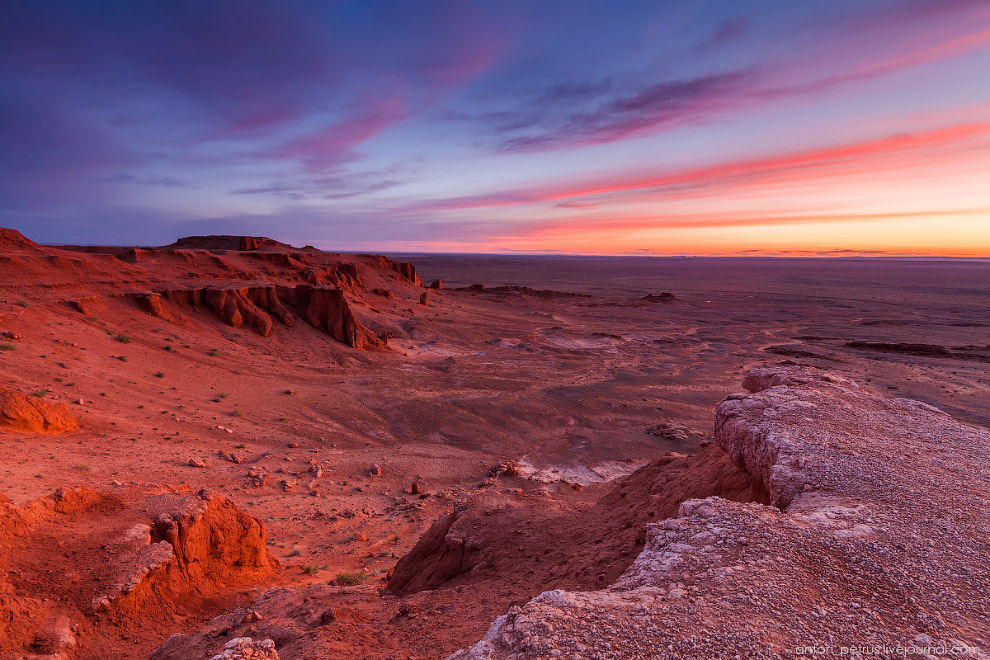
[874, 544]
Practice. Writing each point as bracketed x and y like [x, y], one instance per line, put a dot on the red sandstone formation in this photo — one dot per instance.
[224, 242]
[34, 414]
[140, 559]
[11, 239]
[239, 279]
[408, 272]
[327, 309]
[152, 303]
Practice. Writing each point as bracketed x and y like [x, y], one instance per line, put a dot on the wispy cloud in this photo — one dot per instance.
[810, 163]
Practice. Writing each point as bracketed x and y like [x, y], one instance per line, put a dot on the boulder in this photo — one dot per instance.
[34, 414]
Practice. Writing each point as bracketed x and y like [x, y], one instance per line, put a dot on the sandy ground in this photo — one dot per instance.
[568, 385]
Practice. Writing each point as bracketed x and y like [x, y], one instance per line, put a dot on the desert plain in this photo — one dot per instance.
[359, 456]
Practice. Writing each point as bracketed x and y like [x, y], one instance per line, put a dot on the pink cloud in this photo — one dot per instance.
[848, 158]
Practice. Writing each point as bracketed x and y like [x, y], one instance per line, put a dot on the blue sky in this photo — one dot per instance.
[627, 128]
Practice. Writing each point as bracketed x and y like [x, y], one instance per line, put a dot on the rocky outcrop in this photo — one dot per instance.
[436, 284]
[226, 242]
[341, 275]
[34, 414]
[213, 541]
[146, 558]
[407, 271]
[153, 304]
[88, 305]
[973, 353]
[235, 308]
[323, 307]
[443, 553]
[244, 648]
[478, 542]
[513, 289]
[11, 239]
[663, 296]
[327, 309]
[877, 540]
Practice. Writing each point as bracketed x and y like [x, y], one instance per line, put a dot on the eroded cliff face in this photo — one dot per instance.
[876, 535]
[241, 280]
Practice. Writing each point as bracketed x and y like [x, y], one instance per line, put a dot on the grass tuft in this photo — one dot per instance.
[350, 578]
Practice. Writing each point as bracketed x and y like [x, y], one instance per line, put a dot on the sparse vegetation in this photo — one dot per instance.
[236, 413]
[84, 468]
[214, 352]
[41, 394]
[122, 358]
[159, 374]
[23, 303]
[6, 346]
[122, 338]
[350, 578]
[310, 569]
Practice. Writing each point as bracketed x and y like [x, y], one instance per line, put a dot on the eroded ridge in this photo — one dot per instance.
[877, 541]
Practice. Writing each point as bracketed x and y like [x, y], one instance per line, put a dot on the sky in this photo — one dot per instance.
[654, 128]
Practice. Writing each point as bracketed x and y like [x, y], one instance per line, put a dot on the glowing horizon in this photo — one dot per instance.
[733, 129]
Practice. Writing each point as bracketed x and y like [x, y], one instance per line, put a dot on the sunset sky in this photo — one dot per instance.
[705, 127]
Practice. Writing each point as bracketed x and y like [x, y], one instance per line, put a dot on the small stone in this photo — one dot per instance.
[197, 462]
[293, 445]
[376, 470]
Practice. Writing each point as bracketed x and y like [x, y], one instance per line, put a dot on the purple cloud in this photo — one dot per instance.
[50, 158]
[614, 116]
